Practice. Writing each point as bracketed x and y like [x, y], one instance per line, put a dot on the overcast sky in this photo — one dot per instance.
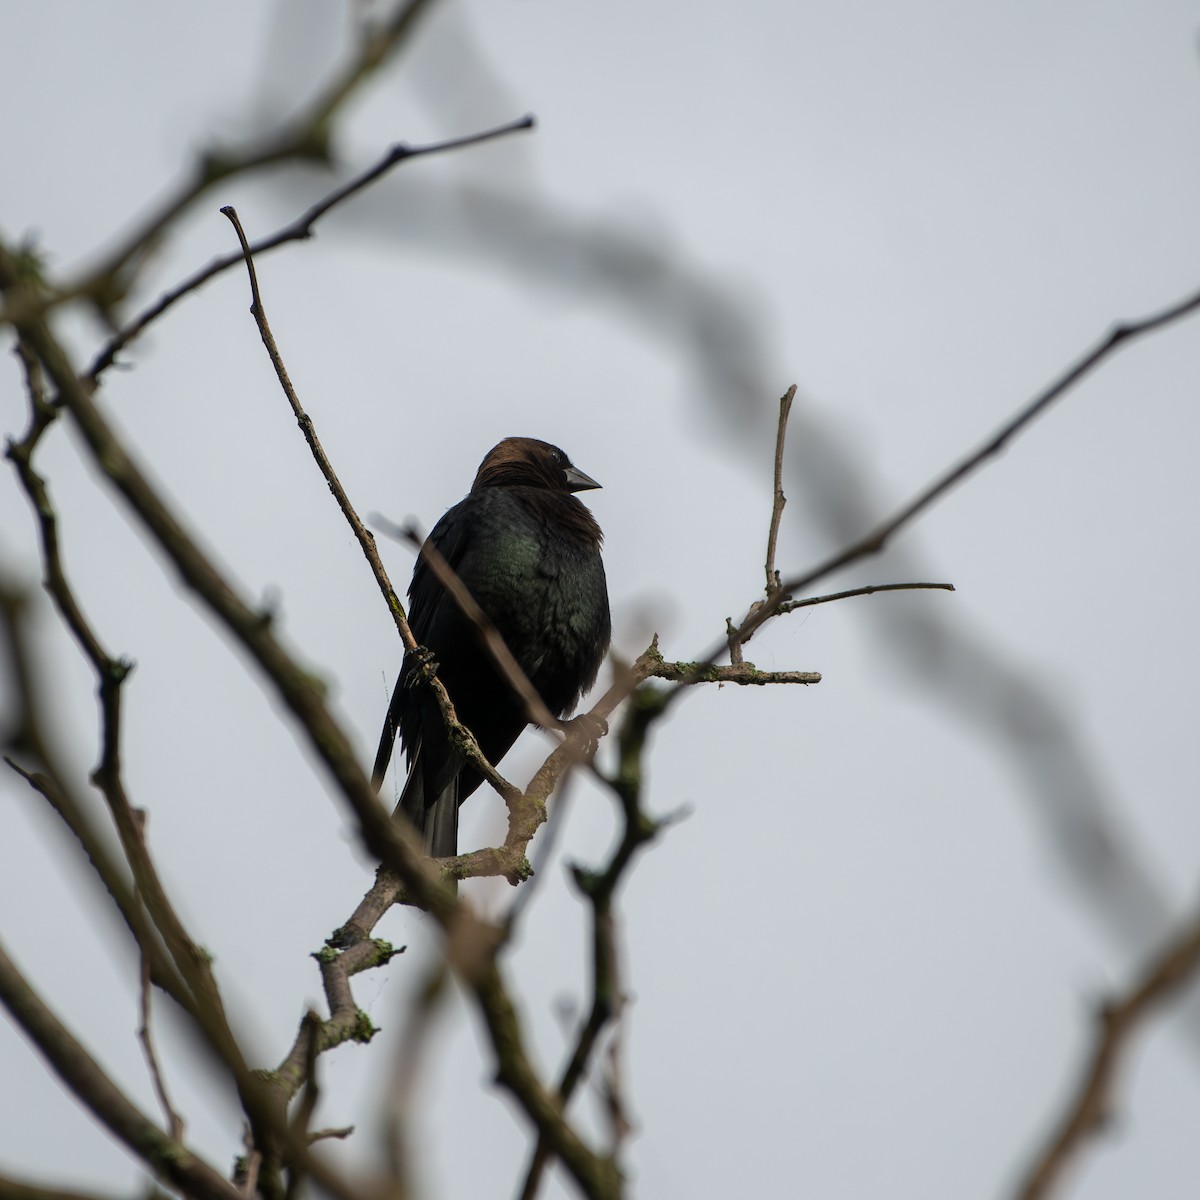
[866, 963]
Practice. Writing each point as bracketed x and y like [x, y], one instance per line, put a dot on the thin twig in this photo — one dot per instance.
[785, 408]
[111, 674]
[1090, 1109]
[869, 590]
[366, 540]
[361, 533]
[613, 1089]
[875, 541]
[733, 632]
[346, 1023]
[300, 229]
[86, 1079]
[878, 538]
[145, 1036]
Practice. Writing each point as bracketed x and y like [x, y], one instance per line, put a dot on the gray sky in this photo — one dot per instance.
[862, 966]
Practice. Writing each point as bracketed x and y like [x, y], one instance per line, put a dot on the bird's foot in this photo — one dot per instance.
[424, 667]
[585, 732]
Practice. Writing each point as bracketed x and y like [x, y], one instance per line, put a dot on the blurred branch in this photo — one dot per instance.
[599, 888]
[299, 691]
[111, 674]
[262, 1096]
[26, 739]
[299, 230]
[175, 1123]
[12, 1189]
[169, 1159]
[872, 543]
[1089, 1111]
[306, 135]
[471, 943]
[403, 1094]
[195, 987]
[596, 1175]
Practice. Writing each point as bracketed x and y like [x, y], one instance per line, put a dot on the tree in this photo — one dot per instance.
[59, 385]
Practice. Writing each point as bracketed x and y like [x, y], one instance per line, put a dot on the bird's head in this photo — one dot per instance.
[527, 462]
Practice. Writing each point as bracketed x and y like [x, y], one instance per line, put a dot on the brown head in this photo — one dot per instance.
[527, 462]
[547, 478]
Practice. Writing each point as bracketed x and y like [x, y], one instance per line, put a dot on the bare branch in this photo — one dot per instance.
[877, 539]
[336, 1133]
[111, 674]
[146, 1037]
[298, 230]
[304, 136]
[874, 542]
[464, 737]
[14, 1189]
[363, 535]
[169, 1159]
[597, 1176]
[299, 691]
[869, 590]
[785, 408]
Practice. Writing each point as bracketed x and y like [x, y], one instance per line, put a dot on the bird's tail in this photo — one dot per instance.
[435, 818]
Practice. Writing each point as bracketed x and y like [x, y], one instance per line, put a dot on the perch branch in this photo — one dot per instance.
[366, 540]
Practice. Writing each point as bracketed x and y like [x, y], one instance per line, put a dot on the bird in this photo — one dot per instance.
[528, 551]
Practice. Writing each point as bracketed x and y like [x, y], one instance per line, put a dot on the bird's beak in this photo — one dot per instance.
[577, 481]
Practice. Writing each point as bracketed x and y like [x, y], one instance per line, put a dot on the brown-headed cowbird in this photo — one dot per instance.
[529, 553]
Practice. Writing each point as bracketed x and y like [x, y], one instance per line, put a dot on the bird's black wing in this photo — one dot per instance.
[451, 537]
